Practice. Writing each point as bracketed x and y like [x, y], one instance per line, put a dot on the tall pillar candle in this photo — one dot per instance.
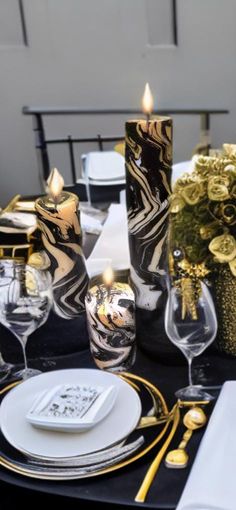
[148, 170]
[111, 326]
[58, 219]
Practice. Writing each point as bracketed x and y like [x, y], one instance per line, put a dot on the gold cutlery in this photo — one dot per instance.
[152, 470]
[175, 416]
[194, 419]
[150, 421]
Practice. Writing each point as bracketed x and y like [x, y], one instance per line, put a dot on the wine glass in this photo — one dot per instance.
[25, 302]
[192, 330]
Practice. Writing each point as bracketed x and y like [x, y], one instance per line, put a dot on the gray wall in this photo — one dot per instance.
[99, 54]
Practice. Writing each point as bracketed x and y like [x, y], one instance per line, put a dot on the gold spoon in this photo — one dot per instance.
[194, 419]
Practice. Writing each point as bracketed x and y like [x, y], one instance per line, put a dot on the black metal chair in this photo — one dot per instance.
[99, 193]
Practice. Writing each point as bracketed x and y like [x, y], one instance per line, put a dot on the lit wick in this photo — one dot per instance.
[147, 102]
[108, 279]
[55, 185]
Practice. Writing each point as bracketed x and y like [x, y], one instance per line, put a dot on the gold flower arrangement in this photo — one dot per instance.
[203, 215]
[203, 239]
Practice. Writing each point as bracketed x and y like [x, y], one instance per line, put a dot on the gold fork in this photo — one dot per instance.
[149, 477]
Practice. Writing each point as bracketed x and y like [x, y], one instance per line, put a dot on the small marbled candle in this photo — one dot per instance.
[111, 325]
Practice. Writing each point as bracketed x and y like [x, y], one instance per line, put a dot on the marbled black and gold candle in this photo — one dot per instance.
[58, 220]
[148, 172]
[111, 326]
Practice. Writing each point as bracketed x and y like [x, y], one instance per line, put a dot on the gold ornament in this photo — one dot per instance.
[190, 291]
[194, 270]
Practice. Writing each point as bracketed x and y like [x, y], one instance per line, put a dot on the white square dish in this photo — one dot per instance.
[71, 407]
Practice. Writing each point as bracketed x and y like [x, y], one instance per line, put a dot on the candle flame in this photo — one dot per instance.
[147, 100]
[55, 184]
[108, 276]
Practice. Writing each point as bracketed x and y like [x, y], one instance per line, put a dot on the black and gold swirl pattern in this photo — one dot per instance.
[148, 171]
[61, 236]
[111, 326]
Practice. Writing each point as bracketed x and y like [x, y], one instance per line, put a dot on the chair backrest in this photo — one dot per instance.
[106, 166]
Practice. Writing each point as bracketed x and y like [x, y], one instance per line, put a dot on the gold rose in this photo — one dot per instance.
[193, 193]
[218, 188]
[223, 247]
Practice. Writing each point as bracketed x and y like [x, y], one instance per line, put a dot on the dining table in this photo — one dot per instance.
[120, 487]
[62, 344]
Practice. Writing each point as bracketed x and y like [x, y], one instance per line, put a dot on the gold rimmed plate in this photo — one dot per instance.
[116, 426]
[15, 461]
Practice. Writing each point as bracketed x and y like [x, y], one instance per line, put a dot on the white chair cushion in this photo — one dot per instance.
[104, 166]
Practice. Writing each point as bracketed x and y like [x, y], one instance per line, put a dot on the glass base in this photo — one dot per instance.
[26, 373]
[5, 369]
[193, 393]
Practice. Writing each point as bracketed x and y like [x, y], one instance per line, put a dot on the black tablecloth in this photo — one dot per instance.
[57, 337]
[120, 487]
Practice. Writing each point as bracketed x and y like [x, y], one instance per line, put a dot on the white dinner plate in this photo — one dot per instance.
[117, 425]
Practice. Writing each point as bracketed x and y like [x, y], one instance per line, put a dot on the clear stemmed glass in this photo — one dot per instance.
[192, 333]
[25, 302]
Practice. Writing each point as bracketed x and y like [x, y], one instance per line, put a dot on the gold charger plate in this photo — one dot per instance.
[21, 467]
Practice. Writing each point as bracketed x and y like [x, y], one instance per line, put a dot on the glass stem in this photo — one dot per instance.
[23, 344]
[2, 362]
[190, 379]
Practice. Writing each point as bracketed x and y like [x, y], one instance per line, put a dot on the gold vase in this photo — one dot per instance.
[225, 300]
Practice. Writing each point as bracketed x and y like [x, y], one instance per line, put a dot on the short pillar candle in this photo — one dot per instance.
[111, 325]
[58, 219]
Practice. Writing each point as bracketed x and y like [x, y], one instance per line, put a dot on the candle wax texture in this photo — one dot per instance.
[148, 157]
[61, 236]
[111, 326]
